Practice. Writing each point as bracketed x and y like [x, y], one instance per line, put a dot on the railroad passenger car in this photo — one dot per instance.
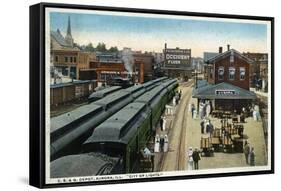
[120, 136]
[70, 130]
[102, 93]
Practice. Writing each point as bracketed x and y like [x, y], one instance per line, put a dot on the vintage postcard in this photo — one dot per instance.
[133, 95]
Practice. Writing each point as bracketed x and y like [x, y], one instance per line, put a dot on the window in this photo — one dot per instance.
[56, 58]
[231, 73]
[220, 73]
[74, 58]
[242, 73]
[66, 59]
[71, 59]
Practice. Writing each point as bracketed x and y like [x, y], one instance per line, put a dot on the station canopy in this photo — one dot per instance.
[222, 91]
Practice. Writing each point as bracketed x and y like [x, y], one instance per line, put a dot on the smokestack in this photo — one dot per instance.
[220, 49]
[228, 47]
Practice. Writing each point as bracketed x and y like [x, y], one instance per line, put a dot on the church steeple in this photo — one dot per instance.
[69, 27]
[68, 37]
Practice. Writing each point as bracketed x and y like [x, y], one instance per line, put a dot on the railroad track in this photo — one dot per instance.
[181, 145]
[180, 162]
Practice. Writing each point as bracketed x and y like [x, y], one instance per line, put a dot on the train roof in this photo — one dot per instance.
[147, 84]
[116, 128]
[111, 98]
[74, 115]
[135, 88]
[169, 82]
[104, 92]
[88, 164]
[150, 95]
[160, 79]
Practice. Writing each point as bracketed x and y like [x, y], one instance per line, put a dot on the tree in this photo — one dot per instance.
[101, 47]
[113, 49]
[90, 47]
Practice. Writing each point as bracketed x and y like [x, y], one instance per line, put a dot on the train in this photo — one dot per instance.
[69, 130]
[67, 93]
[120, 138]
[119, 81]
[102, 93]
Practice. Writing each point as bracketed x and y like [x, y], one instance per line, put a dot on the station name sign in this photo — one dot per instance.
[225, 92]
[177, 56]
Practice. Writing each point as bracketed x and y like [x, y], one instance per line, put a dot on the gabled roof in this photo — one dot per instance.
[228, 53]
[209, 55]
[211, 92]
[59, 38]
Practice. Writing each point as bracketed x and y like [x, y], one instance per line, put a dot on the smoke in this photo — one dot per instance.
[128, 59]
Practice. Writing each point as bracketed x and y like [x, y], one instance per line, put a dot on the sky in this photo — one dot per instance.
[150, 33]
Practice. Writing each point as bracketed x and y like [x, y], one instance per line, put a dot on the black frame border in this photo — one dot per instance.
[37, 93]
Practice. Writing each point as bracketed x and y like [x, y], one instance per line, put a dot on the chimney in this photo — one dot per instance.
[220, 49]
[228, 47]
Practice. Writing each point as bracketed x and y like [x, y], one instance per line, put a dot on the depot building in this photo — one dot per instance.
[226, 84]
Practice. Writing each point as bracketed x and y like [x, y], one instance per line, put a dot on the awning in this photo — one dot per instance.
[222, 91]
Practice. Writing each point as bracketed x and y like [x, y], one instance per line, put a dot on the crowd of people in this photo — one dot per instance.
[177, 98]
[206, 127]
[204, 110]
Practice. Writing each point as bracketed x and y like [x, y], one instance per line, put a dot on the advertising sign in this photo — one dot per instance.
[178, 57]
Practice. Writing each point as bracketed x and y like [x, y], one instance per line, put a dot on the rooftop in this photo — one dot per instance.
[222, 91]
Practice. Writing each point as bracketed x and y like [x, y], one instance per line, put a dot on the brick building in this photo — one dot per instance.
[148, 61]
[227, 81]
[258, 70]
[230, 67]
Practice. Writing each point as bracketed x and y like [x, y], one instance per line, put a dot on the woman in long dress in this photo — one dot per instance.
[157, 144]
[166, 143]
[190, 159]
[164, 123]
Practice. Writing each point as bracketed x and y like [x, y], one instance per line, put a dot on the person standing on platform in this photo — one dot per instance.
[177, 98]
[180, 94]
[208, 109]
[190, 159]
[164, 123]
[196, 158]
[211, 128]
[157, 144]
[247, 151]
[202, 126]
[174, 101]
[166, 143]
[162, 143]
[252, 157]
[161, 123]
[192, 110]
